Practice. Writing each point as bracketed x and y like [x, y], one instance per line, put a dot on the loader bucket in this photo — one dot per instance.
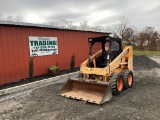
[87, 90]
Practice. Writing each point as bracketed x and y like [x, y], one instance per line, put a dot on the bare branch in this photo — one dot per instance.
[9, 18]
[120, 27]
[18, 18]
[84, 25]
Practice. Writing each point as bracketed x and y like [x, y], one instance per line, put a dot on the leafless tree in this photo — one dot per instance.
[9, 18]
[61, 24]
[109, 29]
[148, 39]
[75, 27]
[84, 25]
[53, 23]
[158, 42]
[97, 28]
[70, 24]
[18, 18]
[119, 28]
[153, 36]
[128, 35]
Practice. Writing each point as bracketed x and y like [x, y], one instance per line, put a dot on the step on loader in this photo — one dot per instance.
[105, 73]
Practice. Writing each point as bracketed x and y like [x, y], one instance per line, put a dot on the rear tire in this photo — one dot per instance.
[116, 83]
[128, 78]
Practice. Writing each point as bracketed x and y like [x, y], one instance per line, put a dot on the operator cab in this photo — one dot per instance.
[114, 49]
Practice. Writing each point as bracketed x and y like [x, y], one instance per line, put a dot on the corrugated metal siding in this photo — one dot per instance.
[14, 50]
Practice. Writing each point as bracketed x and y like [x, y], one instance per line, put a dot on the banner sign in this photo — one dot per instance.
[40, 46]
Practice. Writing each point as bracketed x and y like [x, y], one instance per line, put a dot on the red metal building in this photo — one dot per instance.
[14, 49]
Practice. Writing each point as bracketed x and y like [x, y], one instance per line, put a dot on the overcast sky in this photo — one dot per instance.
[140, 13]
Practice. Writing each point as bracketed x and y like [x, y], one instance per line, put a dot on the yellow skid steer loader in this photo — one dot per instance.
[104, 73]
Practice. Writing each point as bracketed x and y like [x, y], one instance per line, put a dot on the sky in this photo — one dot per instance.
[140, 13]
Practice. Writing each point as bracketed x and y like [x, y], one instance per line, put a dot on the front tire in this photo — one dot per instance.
[80, 75]
[116, 83]
[128, 78]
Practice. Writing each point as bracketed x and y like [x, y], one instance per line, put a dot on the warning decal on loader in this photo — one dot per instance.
[124, 53]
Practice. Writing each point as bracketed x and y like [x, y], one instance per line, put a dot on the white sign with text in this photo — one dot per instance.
[40, 46]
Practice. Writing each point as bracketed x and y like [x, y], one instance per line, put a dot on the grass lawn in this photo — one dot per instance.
[147, 53]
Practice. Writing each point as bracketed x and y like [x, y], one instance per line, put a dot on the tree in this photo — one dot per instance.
[119, 28]
[148, 39]
[9, 18]
[128, 35]
[97, 28]
[18, 18]
[65, 24]
[141, 38]
[158, 42]
[70, 24]
[153, 43]
[53, 23]
[84, 25]
[75, 27]
[109, 29]
[62, 24]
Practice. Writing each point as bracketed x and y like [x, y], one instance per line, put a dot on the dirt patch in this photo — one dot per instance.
[141, 102]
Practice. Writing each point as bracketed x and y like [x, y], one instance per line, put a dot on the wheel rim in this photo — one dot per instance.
[130, 80]
[120, 84]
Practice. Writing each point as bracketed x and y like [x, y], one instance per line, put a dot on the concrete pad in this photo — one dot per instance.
[155, 58]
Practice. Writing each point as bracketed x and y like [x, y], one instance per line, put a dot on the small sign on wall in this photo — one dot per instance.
[40, 46]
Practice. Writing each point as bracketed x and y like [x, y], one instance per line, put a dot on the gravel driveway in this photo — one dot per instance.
[142, 102]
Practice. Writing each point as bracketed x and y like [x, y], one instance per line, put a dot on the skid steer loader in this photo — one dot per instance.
[104, 73]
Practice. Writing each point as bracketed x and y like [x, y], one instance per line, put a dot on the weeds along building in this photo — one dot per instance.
[47, 45]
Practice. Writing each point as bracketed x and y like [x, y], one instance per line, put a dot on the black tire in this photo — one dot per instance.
[114, 83]
[80, 75]
[128, 79]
